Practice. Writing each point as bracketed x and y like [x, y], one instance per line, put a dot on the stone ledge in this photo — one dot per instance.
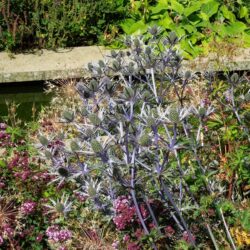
[70, 63]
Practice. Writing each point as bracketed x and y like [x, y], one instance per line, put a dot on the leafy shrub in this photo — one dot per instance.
[198, 22]
[53, 24]
[143, 147]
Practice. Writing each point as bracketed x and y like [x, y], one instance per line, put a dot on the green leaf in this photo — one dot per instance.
[227, 13]
[236, 28]
[204, 16]
[189, 28]
[166, 22]
[179, 31]
[129, 26]
[243, 12]
[158, 8]
[2, 164]
[177, 7]
[190, 10]
[210, 8]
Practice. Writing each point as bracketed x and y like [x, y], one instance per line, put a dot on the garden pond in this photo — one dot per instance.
[27, 95]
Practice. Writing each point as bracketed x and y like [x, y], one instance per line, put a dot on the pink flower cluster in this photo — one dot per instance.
[133, 246]
[1, 240]
[28, 207]
[8, 230]
[3, 126]
[20, 160]
[169, 231]
[186, 237]
[57, 235]
[41, 176]
[5, 139]
[125, 212]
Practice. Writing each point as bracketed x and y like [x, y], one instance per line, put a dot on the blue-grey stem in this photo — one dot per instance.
[170, 198]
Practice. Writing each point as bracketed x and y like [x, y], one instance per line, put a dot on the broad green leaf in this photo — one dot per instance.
[158, 8]
[156, 17]
[166, 22]
[190, 10]
[236, 28]
[131, 27]
[189, 28]
[204, 16]
[221, 29]
[177, 7]
[204, 24]
[126, 25]
[210, 8]
[227, 13]
[243, 11]
[179, 31]
[164, 2]
[187, 47]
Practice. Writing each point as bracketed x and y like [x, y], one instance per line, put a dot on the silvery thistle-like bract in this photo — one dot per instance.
[133, 128]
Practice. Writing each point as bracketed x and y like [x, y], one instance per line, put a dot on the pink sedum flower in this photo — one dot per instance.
[115, 244]
[58, 235]
[125, 213]
[186, 237]
[28, 207]
[169, 231]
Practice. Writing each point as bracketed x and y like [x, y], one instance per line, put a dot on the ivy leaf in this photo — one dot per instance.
[210, 8]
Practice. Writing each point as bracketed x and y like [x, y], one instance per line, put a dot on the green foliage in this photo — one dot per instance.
[53, 24]
[199, 22]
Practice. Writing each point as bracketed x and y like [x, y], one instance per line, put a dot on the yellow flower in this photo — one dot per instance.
[242, 237]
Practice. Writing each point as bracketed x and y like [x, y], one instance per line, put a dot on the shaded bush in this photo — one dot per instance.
[52, 24]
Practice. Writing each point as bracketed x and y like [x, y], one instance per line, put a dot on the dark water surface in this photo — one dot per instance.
[26, 94]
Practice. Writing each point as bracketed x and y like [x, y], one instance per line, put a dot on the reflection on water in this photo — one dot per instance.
[26, 94]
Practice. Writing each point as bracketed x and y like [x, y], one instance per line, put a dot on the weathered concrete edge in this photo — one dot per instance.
[80, 72]
[41, 75]
[197, 65]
